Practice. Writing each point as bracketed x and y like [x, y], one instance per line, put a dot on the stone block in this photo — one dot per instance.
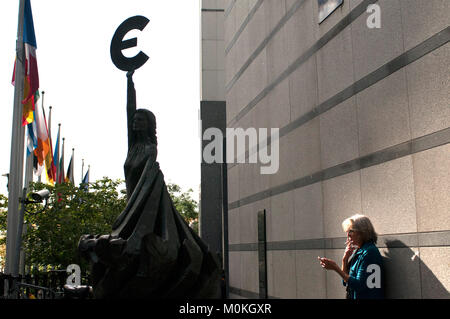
[429, 96]
[434, 271]
[246, 174]
[270, 271]
[388, 196]
[248, 224]
[402, 273]
[278, 106]
[417, 24]
[261, 181]
[274, 11]
[284, 277]
[432, 185]
[334, 287]
[235, 269]
[280, 218]
[256, 28]
[374, 47]
[335, 65]
[213, 85]
[311, 278]
[234, 226]
[299, 153]
[299, 30]
[339, 134]
[232, 106]
[241, 11]
[249, 270]
[303, 88]
[308, 208]
[242, 49]
[258, 75]
[209, 55]
[209, 25]
[233, 184]
[383, 114]
[341, 199]
[277, 58]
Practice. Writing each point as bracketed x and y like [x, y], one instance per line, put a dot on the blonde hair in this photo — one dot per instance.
[361, 224]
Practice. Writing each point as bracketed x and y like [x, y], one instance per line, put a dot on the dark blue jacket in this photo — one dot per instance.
[366, 273]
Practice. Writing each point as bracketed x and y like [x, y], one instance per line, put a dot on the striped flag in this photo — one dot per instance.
[61, 178]
[69, 175]
[86, 177]
[31, 81]
[56, 156]
[85, 182]
[50, 168]
[43, 142]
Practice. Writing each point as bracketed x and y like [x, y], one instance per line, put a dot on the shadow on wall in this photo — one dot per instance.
[405, 274]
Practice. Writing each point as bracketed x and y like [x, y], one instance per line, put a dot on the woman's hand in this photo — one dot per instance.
[349, 249]
[328, 263]
[331, 265]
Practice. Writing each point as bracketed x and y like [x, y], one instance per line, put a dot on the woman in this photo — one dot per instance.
[151, 251]
[361, 269]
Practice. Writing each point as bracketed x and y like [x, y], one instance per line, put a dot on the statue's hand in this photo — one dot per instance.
[130, 74]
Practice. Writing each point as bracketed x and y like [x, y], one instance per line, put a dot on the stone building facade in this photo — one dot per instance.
[364, 127]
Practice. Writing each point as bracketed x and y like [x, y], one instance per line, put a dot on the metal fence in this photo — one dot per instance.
[42, 285]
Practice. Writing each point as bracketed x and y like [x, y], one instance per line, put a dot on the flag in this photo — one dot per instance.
[43, 142]
[50, 168]
[69, 175]
[61, 178]
[32, 144]
[85, 181]
[86, 177]
[31, 80]
[56, 156]
[32, 141]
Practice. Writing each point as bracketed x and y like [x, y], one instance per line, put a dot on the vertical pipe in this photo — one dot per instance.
[262, 254]
[225, 216]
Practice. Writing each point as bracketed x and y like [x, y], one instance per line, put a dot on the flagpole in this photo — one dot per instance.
[49, 133]
[17, 151]
[40, 175]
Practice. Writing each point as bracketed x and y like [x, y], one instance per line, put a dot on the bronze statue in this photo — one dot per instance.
[151, 251]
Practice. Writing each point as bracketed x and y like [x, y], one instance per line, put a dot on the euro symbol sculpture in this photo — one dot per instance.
[118, 44]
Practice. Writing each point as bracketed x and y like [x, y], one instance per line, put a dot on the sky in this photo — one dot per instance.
[88, 93]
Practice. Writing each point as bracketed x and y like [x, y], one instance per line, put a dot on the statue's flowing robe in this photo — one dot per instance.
[151, 252]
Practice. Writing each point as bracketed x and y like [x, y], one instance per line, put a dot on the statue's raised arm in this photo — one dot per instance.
[131, 105]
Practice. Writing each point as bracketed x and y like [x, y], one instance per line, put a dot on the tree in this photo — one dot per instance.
[184, 204]
[52, 235]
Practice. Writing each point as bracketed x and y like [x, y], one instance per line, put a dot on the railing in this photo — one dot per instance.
[43, 285]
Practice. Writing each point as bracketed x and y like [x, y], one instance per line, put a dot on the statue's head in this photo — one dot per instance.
[144, 121]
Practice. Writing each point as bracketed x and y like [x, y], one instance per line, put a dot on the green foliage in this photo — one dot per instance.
[184, 204]
[3, 211]
[52, 235]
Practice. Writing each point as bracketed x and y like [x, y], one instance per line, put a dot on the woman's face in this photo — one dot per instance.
[140, 122]
[354, 237]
